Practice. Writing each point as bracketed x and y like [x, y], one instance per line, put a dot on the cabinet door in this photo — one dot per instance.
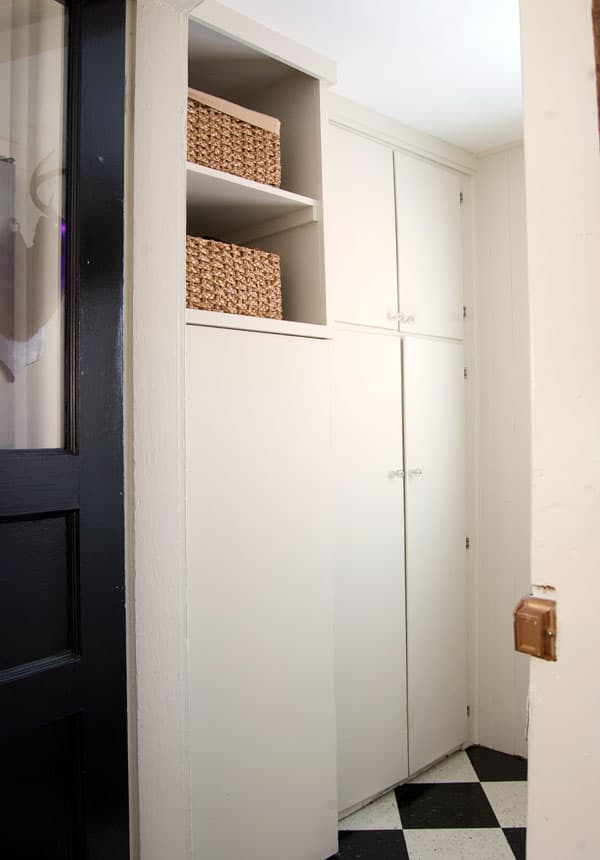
[430, 247]
[435, 548]
[370, 644]
[260, 596]
[360, 230]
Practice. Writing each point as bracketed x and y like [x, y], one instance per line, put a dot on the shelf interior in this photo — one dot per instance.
[238, 210]
[285, 221]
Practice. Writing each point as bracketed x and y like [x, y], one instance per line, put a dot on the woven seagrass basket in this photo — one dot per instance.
[232, 279]
[233, 139]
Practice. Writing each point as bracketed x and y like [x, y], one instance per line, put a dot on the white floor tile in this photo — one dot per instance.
[455, 768]
[382, 814]
[467, 844]
[509, 802]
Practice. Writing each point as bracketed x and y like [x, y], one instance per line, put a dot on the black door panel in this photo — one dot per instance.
[63, 726]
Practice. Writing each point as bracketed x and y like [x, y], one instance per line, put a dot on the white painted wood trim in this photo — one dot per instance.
[350, 115]
[184, 6]
[215, 319]
[472, 450]
[157, 356]
[255, 35]
[505, 147]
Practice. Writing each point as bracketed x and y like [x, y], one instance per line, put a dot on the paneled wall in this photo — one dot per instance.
[502, 321]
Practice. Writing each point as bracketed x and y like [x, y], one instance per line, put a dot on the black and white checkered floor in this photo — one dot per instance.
[471, 806]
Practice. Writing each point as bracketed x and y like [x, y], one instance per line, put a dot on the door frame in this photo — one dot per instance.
[155, 440]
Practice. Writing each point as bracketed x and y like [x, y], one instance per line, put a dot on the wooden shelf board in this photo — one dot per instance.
[267, 326]
[219, 204]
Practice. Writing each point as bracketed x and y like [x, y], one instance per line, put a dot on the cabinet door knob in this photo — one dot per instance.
[402, 317]
[396, 473]
[415, 473]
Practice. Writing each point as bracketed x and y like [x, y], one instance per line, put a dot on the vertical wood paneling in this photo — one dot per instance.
[504, 440]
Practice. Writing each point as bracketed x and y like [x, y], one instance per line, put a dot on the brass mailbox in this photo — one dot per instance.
[535, 627]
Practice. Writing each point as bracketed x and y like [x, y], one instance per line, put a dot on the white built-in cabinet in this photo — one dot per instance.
[259, 595]
[436, 622]
[430, 247]
[361, 230]
[370, 628]
[325, 470]
[258, 479]
[396, 240]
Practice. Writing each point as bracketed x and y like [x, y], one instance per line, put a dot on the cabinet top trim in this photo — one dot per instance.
[355, 117]
[254, 35]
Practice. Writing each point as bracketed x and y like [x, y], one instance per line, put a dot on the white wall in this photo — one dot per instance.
[563, 219]
[502, 332]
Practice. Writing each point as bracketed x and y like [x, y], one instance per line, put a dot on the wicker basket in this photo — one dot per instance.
[232, 279]
[231, 138]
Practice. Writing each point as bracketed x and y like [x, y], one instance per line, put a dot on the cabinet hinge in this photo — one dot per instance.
[462, 198]
[468, 710]
[467, 543]
[465, 372]
[464, 312]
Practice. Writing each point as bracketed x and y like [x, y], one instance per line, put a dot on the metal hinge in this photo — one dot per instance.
[467, 543]
[465, 372]
[468, 710]
[464, 312]
[462, 198]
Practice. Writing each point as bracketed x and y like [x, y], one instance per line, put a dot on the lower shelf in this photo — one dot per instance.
[216, 319]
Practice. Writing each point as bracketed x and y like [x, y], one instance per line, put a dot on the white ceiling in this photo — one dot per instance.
[448, 67]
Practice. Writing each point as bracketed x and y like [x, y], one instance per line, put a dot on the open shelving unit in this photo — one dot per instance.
[287, 220]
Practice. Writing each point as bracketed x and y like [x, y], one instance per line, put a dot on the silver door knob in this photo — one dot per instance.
[396, 473]
[415, 473]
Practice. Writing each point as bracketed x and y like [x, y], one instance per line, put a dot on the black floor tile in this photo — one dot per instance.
[371, 845]
[492, 766]
[516, 839]
[445, 804]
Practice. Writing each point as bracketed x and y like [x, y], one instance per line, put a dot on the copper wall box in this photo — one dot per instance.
[535, 627]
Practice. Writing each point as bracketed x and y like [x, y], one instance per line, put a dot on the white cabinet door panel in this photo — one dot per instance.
[435, 548]
[260, 596]
[370, 643]
[360, 230]
[430, 247]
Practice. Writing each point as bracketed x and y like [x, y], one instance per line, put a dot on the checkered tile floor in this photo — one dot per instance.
[471, 806]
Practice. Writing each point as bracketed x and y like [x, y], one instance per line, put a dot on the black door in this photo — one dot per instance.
[63, 730]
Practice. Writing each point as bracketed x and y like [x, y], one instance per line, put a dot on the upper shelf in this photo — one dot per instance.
[229, 207]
